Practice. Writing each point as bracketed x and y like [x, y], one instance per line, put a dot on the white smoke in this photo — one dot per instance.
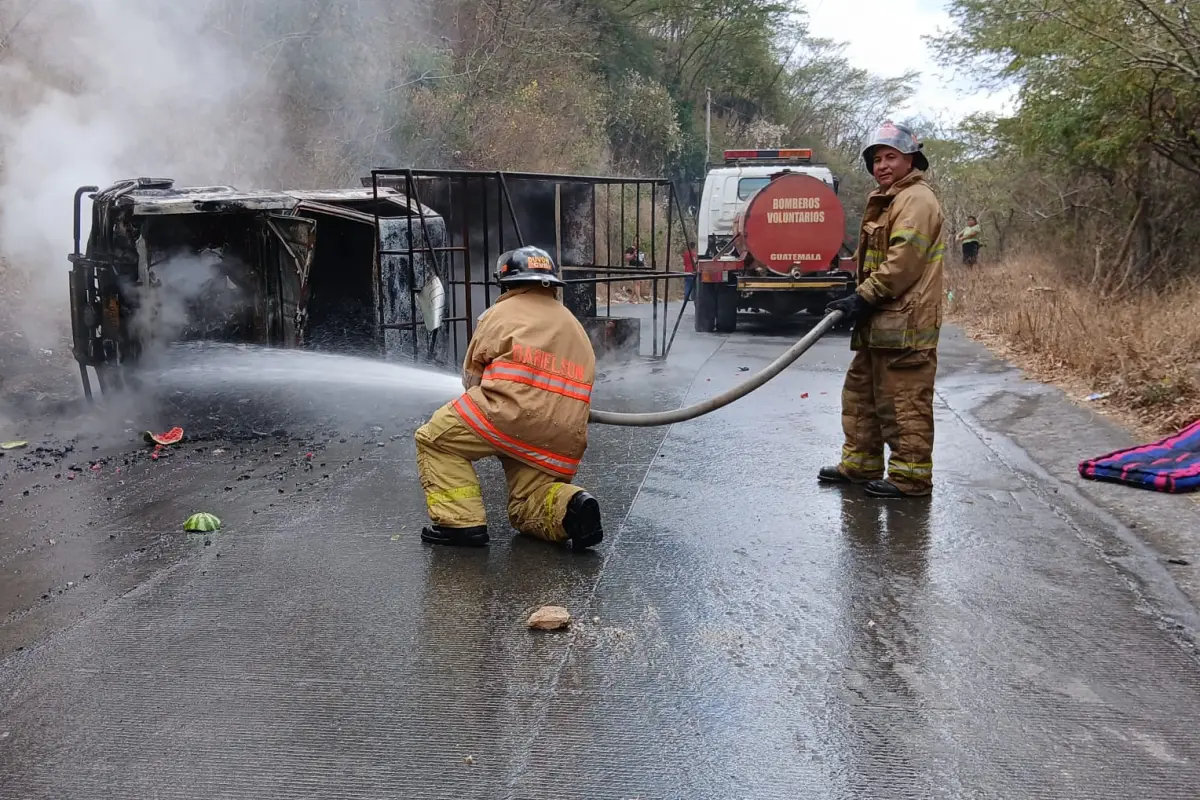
[202, 91]
[188, 291]
[99, 90]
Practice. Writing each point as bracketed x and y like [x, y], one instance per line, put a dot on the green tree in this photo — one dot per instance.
[1108, 105]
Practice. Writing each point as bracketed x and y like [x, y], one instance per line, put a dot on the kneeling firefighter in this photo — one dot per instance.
[897, 312]
[528, 376]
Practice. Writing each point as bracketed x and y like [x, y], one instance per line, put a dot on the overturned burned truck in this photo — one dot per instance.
[288, 269]
[345, 269]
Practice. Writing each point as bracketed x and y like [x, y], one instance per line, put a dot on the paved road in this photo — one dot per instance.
[742, 632]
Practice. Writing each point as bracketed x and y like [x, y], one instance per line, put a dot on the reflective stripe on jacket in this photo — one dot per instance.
[528, 372]
[900, 250]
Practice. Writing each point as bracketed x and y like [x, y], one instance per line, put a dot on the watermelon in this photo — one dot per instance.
[202, 522]
[173, 436]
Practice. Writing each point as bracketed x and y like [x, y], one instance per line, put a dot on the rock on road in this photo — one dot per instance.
[743, 632]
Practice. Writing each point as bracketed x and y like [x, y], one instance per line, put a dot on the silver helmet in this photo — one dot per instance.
[900, 137]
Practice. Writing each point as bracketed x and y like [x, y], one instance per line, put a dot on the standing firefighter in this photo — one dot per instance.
[888, 393]
[970, 241]
[528, 376]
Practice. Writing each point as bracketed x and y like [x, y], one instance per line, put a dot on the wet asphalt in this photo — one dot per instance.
[742, 632]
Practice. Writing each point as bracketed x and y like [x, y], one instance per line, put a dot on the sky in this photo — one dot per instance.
[889, 49]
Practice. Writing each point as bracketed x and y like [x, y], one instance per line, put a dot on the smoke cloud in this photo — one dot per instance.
[189, 292]
[255, 95]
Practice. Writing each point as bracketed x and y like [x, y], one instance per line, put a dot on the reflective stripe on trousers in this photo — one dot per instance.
[862, 463]
[446, 448]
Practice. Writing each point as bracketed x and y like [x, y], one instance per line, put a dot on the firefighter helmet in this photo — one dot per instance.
[900, 137]
[527, 265]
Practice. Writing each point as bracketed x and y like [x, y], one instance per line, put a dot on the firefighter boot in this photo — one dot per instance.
[889, 490]
[475, 536]
[582, 522]
[835, 475]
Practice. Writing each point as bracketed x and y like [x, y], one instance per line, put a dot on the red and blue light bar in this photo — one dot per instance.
[795, 153]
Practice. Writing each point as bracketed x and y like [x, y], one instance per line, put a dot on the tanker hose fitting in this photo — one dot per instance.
[654, 418]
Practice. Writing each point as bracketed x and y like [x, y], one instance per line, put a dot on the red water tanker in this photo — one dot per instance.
[787, 256]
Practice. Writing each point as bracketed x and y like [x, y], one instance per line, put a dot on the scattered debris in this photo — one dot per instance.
[743, 369]
[1183, 562]
[804, 396]
[550, 618]
[469, 760]
[202, 522]
[1098, 396]
[13, 445]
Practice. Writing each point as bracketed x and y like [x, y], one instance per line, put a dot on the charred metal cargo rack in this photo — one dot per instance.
[585, 222]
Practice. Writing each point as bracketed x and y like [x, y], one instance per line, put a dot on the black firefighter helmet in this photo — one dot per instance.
[527, 265]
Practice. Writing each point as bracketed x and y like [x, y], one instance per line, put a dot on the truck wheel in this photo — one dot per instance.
[727, 299]
[706, 306]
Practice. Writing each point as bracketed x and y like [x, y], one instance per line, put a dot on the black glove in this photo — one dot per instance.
[854, 306]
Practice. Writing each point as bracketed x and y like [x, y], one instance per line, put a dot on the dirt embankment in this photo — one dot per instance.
[1137, 357]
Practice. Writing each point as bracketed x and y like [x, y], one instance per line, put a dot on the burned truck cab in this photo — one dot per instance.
[165, 264]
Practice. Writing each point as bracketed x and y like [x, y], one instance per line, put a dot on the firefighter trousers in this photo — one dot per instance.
[446, 452]
[887, 399]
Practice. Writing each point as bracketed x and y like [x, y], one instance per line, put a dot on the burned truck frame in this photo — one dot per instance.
[343, 269]
[164, 264]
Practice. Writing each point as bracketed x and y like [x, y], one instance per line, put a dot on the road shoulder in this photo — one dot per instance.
[1045, 435]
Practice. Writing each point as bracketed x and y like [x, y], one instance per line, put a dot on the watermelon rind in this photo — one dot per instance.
[202, 523]
[173, 436]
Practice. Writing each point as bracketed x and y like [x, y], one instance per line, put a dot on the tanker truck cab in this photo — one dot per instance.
[772, 231]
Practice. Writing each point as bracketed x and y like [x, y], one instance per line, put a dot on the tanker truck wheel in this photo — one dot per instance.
[727, 299]
[706, 306]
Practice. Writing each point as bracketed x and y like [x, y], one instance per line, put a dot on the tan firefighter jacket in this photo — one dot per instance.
[528, 372]
[900, 251]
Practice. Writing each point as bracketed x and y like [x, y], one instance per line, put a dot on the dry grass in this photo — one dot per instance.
[1143, 350]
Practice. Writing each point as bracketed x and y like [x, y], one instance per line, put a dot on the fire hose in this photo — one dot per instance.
[654, 418]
